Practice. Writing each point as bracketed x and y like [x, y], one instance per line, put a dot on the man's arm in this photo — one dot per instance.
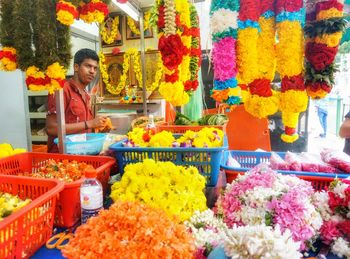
[72, 128]
[344, 131]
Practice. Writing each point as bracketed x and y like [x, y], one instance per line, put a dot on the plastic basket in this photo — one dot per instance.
[68, 206]
[92, 146]
[26, 230]
[249, 159]
[206, 160]
[180, 129]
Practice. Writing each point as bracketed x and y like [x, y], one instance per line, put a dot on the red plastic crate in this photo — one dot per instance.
[182, 129]
[319, 183]
[68, 206]
[26, 230]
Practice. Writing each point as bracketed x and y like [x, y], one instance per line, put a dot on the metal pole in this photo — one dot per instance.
[61, 123]
[338, 118]
[143, 64]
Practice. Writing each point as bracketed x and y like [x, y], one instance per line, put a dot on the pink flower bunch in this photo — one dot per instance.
[224, 59]
[264, 197]
[336, 214]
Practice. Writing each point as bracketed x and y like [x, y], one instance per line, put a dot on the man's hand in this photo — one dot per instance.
[98, 122]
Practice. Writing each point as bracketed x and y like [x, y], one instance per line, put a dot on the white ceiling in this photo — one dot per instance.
[142, 3]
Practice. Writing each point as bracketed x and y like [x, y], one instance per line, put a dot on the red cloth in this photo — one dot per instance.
[76, 109]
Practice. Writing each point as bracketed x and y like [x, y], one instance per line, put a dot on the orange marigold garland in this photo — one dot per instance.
[66, 12]
[131, 230]
[8, 59]
[290, 52]
[94, 11]
[325, 24]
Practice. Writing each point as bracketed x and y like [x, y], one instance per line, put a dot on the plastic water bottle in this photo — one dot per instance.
[91, 195]
[151, 126]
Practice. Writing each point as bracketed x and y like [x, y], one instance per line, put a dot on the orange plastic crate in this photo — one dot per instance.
[26, 230]
[182, 129]
[68, 206]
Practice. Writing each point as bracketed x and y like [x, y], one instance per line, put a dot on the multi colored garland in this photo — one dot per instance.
[324, 28]
[173, 51]
[262, 101]
[66, 12]
[224, 27]
[247, 52]
[290, 50]
[195, 51]
[52, 80]
[109, 37]
[94, 11]
[8, 59]
[146, 23]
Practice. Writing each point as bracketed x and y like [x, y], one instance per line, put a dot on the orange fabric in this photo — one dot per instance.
[170, 112]
[245, 132]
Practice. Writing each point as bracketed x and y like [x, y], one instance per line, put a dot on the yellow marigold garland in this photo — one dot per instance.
[109, 37]
[132, 26]
[66, 12]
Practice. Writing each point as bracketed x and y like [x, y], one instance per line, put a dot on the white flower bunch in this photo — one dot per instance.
[341, 248]
[223, 19]
[260, 242]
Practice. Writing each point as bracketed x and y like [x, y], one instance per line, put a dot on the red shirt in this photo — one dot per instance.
[76, 108]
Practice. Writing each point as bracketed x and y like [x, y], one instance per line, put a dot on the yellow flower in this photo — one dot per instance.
[174, 93]
[319, 94]
[10, 49]
[330, 13]
[289, 139]
[266, 49]
[293, 101]
[65, 17]
[247, 55]
[162, 139]
[290, 119]
[183, 8]
[290, 48]
[146, 20]
[260, 106]
[56, 71]
[331, 40]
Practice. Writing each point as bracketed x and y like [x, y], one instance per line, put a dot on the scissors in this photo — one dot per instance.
[59, 240]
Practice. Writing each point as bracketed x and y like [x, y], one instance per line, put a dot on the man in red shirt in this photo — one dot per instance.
[78, 115]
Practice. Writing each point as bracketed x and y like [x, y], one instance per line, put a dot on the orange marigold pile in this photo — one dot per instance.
[131, 230]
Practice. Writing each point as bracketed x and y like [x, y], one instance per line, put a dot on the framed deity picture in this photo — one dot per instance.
[133, 30]
[111, 31]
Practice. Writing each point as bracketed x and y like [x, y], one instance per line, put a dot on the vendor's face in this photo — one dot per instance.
[86, 71]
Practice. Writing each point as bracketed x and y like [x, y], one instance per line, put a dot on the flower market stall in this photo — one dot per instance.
[169, 186]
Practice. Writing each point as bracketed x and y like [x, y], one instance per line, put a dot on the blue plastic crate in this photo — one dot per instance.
[206, 160]
[92, 146]
[249, 159]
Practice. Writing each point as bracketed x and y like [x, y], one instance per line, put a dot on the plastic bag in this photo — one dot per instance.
[277, 163]
[314, 160]
[231, 162]
[109, 140]
[338, 159]
[293, 161]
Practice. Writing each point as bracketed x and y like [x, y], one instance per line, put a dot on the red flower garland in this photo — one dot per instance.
[251, 10]
[261, 87]
[91, 7]
[7, 54]
[320, 55]
[292, 83]
[61, 6]
[288, 5]
[38, 81]
[172, 51]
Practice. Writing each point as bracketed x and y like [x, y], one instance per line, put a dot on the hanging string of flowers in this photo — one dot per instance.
[8, 52]
[94, 11]
[224, 25]
[8, 59]
[324, 32]
[195, 51]
[262, 101]
[247, 53]
[66, 12]
[173, 51]
[290, 50]
[57, 75]
[110, 36]
[146, 23]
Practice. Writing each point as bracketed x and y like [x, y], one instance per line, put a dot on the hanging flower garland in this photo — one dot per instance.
[158, 76]
[224, 25]
[66, 12]
[262, 101]
[52, 80]
[146, 23]
[290, 50]
[173, 51]
[8, 59]
[324, 32]
[110, 36]
[94, 11]
[104, 74]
